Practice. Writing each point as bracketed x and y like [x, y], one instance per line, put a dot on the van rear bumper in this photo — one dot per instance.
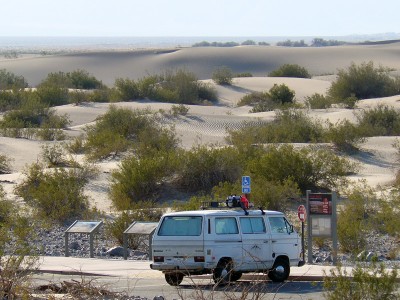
[173, 267]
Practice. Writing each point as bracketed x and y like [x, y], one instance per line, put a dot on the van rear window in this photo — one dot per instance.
[181, 226]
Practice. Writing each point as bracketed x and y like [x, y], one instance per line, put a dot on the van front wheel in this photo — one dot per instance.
[280, 271]
[174, 279]
[223, 272]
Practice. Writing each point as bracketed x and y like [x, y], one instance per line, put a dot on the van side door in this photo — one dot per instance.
[256, 240]
[284, 240]
[226, 239]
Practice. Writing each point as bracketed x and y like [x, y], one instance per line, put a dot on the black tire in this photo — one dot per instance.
[174, 279]
[235, 276]
[223, 272]
[280, 271]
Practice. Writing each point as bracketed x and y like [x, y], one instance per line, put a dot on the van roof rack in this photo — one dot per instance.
[232, 202]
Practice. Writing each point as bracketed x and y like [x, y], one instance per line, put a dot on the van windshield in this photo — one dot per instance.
[181, 226]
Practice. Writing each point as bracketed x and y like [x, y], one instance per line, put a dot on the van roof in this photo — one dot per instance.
[226, 212]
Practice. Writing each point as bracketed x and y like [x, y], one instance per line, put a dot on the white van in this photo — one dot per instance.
[225, 243]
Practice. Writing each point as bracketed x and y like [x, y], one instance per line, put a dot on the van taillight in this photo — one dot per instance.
[158, 258]
[199, 258]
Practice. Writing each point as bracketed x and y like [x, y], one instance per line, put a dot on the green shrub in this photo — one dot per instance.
[353, 223]
[290, 70]
[34, 114]
[9, 100]
[281, 94]
[52, 95]
[53, 155]
[81, 79]
[289, 126]
[139, 179]
[362, 82]
[274, 195]
[10, 81]
[244, 74]
[255, 98]
[78, 79]
[5, 164]
[57, 195]
[318, 101]
[128, 89]
[365, 281]
[222, 76]
[345, 136]
[381, 120]
[202, 168]
[307, 167]
[121, 128]
[17, 259]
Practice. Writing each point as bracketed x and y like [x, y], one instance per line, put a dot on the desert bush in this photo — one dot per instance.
[387, 215]
[353, 223]
[10, 81]
[76, 145]
[55, 195]
[289, 126]
[81, 79]
[52, 95]
[115, 131]
[281, 94]
[77, 97]
[138, 180]
[104, 95]
[308, 168]
[9, 100]
[362, 82]
[371, 281]
[53, 155]
[78, 79]
[222, 76]
[243, 74]
[346, 136]
[290, 70]
[254, 98]
[5, 164]
[121, 129]
[127, 89]
[17, 260]
[318, 101]
[274, 195]
[381, 120]
[201, 168]
[34, 114]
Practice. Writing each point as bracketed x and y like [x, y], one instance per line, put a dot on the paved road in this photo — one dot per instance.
[199, 287]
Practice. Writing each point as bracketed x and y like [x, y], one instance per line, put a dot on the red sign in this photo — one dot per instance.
[301, 212]
[320, 204]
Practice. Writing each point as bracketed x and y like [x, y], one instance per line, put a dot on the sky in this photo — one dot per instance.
[198, 18]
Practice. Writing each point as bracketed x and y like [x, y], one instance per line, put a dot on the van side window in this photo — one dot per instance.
[252, 225]
[181, 226]
[279, 225]
[226, 226]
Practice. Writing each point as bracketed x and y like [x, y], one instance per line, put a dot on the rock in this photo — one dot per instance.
[116, 251]
[328, 259]
[74, 246]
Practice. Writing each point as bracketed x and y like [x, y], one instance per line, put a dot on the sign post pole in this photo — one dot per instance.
[301, 212]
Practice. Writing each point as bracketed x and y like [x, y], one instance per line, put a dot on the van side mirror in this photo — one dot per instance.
[291, 230]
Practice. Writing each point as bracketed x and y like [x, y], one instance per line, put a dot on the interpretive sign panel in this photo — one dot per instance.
[320, 204]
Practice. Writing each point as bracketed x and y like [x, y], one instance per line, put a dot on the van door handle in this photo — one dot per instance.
[274, 241]
[265, 242]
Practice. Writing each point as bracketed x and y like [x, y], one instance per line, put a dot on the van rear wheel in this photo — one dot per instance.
[280, 271]
[223, 272]
[174, 279]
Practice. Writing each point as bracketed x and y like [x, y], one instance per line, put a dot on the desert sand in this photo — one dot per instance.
[208, 124]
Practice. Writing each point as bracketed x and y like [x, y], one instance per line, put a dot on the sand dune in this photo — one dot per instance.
[208, 124]
[259, 60]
